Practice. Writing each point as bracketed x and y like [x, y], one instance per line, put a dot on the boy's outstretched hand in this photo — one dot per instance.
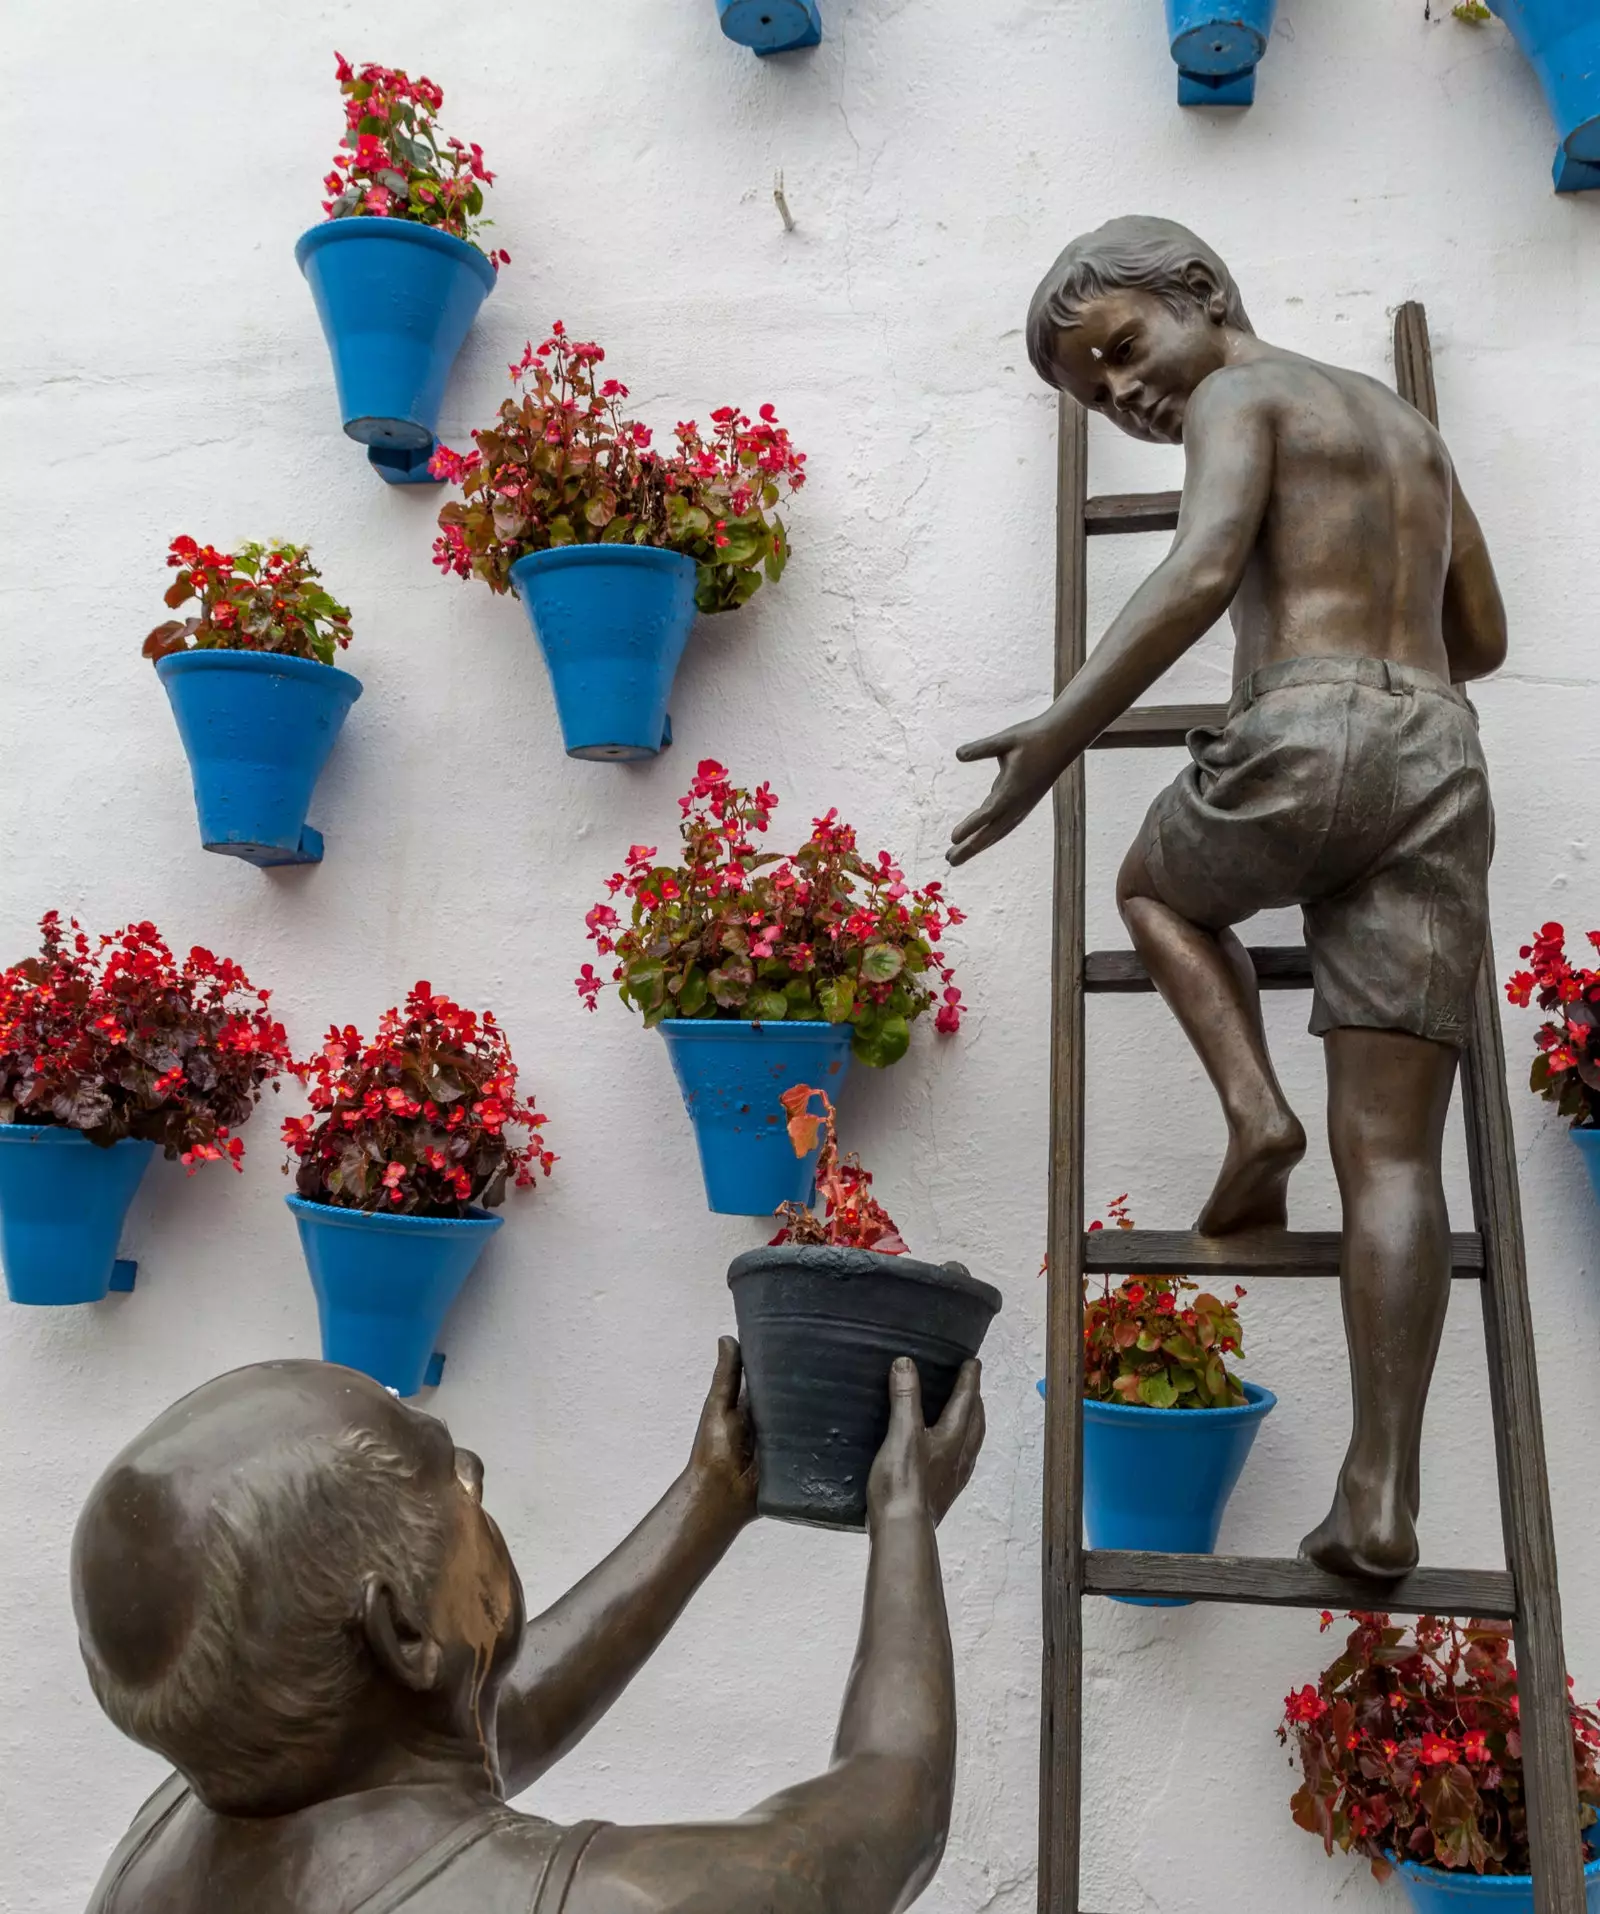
[1030, 762]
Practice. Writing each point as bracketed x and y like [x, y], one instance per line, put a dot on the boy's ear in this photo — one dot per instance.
[1202, 282]
[400, 1644]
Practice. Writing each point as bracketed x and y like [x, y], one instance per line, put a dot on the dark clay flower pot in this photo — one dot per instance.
[820, 1330]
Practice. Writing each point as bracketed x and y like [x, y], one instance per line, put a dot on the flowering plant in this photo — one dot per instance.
[1145, 1346]
[259, 598]
[734, 932]
[564, 467]
[117, 1039]
[392, 163]
[852, 1217]
[1410, 1748]
[415, 1121]
[1567, 1067]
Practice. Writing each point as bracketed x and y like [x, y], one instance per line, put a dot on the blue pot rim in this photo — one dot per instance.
[331, 1216]
[562, 557]
[1485, 1883]
[1585, 1135]
[408, 231]
[272, 664]
[1262, 1402]
[35, 1133]
[740, 1029]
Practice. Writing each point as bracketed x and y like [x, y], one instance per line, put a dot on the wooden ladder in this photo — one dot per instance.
[1491, 1255]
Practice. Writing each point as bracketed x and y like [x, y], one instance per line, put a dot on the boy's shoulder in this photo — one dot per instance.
[1276, 387]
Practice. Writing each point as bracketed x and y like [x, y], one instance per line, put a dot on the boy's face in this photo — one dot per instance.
[1133, 358]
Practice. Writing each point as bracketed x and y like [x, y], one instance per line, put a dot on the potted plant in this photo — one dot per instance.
[1217, 45]
[395, 268]
[258, 699]
[611, 546]
[763, 972]
[404, 1156]
[1566, 1064]
[1167, 1428]
[824, 1312]
[1560, 40]
[110, 1050]
[1410, 1753]
[772, 26]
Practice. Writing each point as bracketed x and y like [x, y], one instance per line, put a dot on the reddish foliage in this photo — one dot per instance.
[564, 467]
[1410, 1747]
[115, 1038]
[735, 932]
[260, 598]
[852, 1217]
[415, 1122]
[393, 164]
[1144, 1345]
[1567, 1067]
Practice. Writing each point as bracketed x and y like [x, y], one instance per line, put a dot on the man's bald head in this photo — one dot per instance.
[219, 1564]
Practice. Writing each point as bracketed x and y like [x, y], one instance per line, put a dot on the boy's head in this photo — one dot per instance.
[1131, 318]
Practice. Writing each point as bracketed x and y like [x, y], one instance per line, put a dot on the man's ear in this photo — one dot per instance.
[1202, 282]
[401, 1646]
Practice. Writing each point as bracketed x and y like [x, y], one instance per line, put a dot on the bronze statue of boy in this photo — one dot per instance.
[1323, 513]
[289, 1588]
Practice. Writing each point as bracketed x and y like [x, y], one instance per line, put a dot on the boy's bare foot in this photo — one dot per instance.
[1371, 1534]
[1252, 1191]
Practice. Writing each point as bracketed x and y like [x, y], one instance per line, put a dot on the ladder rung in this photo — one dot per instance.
[1278, 967]
[1268, 1582]
[1263, 1252]
[1132, 512]
[1148, 726]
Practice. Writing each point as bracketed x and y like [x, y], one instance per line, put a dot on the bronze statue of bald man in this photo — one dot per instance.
[289, 1588]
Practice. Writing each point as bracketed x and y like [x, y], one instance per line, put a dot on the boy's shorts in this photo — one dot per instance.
[1356, 789]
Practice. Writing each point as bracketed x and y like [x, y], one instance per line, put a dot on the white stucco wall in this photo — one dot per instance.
[165, 372]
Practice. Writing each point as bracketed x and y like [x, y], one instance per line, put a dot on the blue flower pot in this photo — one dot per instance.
[1561, 39]
[1588, 1142]
[612, 622]
[732, 1075]
[1433, 1890]
[258, 729]
[62, 1204]
[396, 300]
[772, 26]
[384, 1285]
[1217, 45]
[1158, 1480]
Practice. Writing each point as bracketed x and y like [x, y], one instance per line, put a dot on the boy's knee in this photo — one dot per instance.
[1133, 880]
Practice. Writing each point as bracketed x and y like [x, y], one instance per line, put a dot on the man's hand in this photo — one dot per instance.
[920, 1469]
[1030, 762]
[722, 1464]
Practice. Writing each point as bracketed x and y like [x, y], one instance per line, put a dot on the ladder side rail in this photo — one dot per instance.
[1548, 1778]
[1061, 1688]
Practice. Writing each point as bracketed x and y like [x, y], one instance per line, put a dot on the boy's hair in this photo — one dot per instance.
[1151, 255]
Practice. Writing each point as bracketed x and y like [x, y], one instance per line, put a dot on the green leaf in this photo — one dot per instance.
[730, 983]
[768, 1006]
[647, 985]
[692, 992]
[1156, 1392]
[882, 963]
[837, 998]
[883, 1042]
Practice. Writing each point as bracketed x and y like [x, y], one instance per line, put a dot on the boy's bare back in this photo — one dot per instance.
[1353, 468]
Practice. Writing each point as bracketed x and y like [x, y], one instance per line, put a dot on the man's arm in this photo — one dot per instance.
[1228, 444]
[867, 1836]
[580, 1654]
[1474, 614]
